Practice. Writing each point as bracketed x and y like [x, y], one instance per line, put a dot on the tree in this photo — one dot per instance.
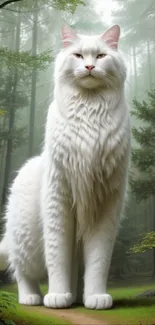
[145, 242]
[137, 21]
[69, 5]
[124, 261]
[33, 85]
[143, 179]
[16, 68]
[14, 76]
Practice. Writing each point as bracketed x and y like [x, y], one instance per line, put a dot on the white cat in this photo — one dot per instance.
[72, 196]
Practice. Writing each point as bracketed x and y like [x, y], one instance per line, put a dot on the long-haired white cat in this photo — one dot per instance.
[65, 206]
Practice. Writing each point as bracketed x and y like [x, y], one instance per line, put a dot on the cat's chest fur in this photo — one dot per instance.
[87, 138]
[87, 146]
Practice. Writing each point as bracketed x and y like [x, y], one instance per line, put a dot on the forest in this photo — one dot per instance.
[30, 38]
[29, 42]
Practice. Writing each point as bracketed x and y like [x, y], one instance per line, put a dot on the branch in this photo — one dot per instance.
[5, 3]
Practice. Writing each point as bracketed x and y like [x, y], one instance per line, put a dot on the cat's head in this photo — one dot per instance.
[90, 61]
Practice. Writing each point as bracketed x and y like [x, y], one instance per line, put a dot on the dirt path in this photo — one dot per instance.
[73, 316]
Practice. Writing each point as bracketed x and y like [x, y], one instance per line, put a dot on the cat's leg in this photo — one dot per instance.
[58, 223]
[26, 262]
[26, 256]
[24, 233]
[28, 290]
[98, 248]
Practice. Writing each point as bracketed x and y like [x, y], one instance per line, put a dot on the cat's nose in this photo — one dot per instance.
[89, 67]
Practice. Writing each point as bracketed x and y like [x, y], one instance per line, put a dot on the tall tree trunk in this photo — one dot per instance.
[33, 87]
[132, 72]
[149, 65]
[11, 45]
[135, 72]
[11, 117]
[153, 203]
[150, 86]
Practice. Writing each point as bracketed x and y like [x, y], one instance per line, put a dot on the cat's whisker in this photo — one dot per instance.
[110, 83]
[67, 78]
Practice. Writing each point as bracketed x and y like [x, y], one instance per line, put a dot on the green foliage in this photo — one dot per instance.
[144, 135]
[146, 242]
[143, 187]
[65, 5]
[124, 262]
[143, 181]
[70, 5]
[10, 309]
[12, 97]
[7, 300]
[24, 60]
[2, 112]
[15, 77]
[145, 111]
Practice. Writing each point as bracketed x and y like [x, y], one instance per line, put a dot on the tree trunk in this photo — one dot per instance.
[132, 72]
[149, 65]
[33, 87]
[135, 72]
[11, 44]
[11, 117]
[153, 230]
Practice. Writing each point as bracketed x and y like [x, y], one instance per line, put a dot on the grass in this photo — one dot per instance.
[127, 310]
[11, 310]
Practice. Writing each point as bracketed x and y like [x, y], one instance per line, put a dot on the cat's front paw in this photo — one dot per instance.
[100, 301]
[31, 300]
[58, 300]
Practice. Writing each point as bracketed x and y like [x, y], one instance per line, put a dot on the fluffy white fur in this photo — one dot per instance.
[65, 206]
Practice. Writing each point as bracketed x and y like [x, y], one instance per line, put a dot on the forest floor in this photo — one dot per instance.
[127, 309]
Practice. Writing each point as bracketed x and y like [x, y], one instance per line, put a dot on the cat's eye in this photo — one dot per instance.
[78, 55]
[100, 56]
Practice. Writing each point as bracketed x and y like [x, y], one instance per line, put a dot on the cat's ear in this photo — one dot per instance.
[68, 35]
[111, 36]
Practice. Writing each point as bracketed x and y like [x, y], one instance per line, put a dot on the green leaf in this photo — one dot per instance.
[146, 242]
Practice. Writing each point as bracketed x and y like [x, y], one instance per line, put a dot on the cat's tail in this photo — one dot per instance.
[3, 254]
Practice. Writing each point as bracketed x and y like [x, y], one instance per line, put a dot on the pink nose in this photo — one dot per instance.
[89, 67]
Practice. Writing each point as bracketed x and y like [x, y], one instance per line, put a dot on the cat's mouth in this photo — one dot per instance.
[88, 80]
[89, 75]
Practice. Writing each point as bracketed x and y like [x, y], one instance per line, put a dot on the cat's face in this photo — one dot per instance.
[91, 61]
